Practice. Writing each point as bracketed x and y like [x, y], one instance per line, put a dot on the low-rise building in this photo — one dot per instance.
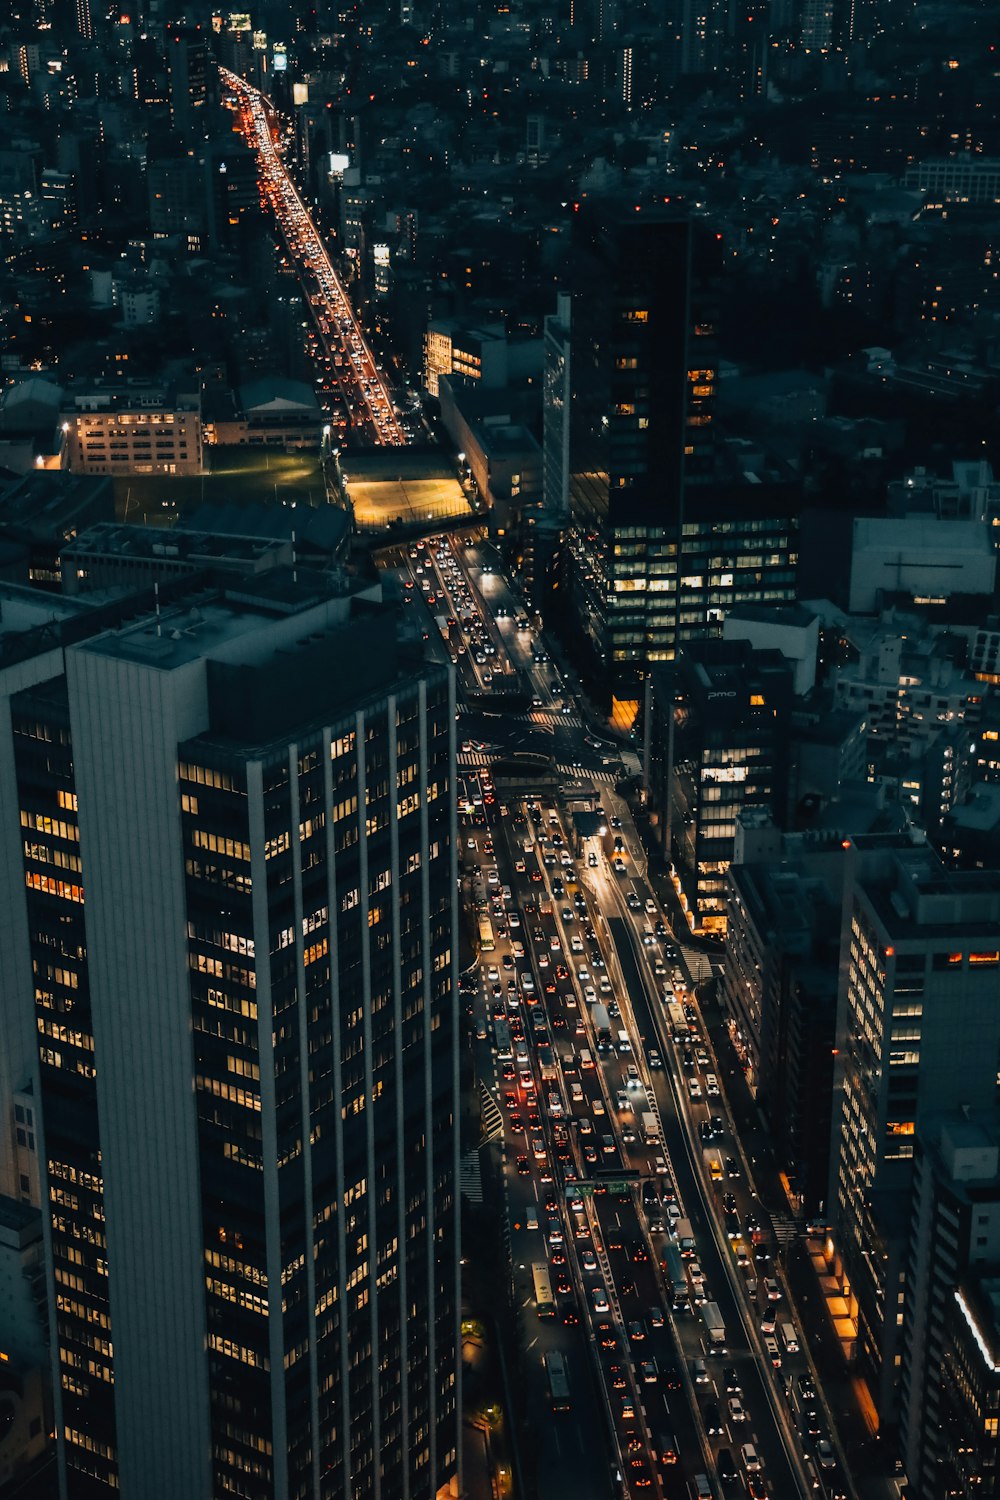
[503, 456]
[268, 413]
[924, 557]
[134, 427]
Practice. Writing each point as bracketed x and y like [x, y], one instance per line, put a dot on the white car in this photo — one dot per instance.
[660, 1167]
[751, 1459]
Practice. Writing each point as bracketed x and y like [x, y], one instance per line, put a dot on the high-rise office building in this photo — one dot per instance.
[719, 743]
[557, 395]
[229, 895]
[917, 1032]
[663, 536]
[189, 74]
[642, 361]
[949, 1377]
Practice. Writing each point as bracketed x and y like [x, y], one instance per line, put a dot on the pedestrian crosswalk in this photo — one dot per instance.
[549, 718]
[785, 1228]
[540, 717]
[490, 1114]
[583, 773]
[478, 760]
[470, 1177]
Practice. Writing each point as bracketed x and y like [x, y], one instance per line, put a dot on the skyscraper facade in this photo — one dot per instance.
[665, 533]
[238, 874]
[643, 382]
[917, 1032]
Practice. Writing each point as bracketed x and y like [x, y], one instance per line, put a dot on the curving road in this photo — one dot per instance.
[367, 396]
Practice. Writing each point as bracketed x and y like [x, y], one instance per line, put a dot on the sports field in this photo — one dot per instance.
[235, 476]
[378, 502]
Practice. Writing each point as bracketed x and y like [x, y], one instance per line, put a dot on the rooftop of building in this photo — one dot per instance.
[276, 393]
[131, 395]
[506, 438]
[20, 1223]
[719, 670]
[322, 528]
[395, 485]
[792, 616]
[965, 1145]
[980, 812]
[793, 903]
[917, 898]
[921, 531]
[216, 620]
[53, 504]
[31, 392]
[115, 540]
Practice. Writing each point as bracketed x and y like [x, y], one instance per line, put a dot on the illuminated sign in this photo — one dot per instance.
[380, 254]
[300, 93]
[280, 57]
[339, 162]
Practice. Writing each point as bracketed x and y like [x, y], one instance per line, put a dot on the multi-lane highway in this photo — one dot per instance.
[640, 1258]
[352, 368]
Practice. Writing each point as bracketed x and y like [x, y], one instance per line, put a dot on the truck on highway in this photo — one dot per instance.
[624, 1044]
[602, 1026]
[684, 1235]
[715, 1328]
[547, 1063]
[713, 1159]
[650, 1128]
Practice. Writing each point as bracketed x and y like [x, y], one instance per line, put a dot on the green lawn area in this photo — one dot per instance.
[236, 476]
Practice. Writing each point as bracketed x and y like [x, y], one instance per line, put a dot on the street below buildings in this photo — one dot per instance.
[361, 401]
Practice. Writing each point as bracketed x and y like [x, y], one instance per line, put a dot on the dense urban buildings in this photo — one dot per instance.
[499, 503]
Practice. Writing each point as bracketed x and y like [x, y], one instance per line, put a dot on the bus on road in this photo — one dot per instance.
[555, 1370]
[486, 940]
[677, 1021]
[544, 1301]
[501, 1033]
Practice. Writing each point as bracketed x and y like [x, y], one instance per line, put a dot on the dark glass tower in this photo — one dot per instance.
[643, 371]
[666, 532]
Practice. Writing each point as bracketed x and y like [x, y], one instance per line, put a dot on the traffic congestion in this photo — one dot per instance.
[359, 399]
[645, 1273]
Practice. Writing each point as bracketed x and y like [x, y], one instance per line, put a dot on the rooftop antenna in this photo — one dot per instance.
[295, 571]
[156, 595]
